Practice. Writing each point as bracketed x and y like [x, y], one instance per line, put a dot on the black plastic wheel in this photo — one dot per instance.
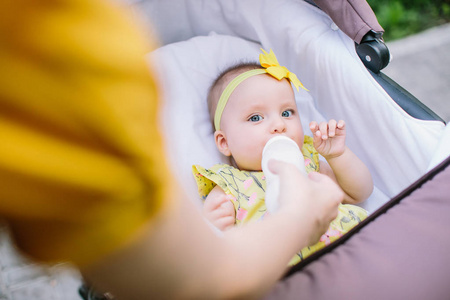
[373, 52]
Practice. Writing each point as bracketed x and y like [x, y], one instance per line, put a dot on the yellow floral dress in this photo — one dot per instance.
[247, 190]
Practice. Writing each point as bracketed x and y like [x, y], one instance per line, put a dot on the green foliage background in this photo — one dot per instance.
[401, 18]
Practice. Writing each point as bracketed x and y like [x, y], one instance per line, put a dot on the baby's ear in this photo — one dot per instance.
[221, 143]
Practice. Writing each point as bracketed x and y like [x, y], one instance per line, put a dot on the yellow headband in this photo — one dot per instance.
[271, 66]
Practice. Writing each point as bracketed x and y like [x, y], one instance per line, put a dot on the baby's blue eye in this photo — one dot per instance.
[286, 113]
[255, 118]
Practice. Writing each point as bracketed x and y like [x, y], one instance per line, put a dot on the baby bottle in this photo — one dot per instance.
[284, 149]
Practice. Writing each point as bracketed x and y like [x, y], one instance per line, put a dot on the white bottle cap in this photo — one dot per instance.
[284, 149]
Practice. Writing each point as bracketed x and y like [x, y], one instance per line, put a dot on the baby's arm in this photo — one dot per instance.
[219, 210]
[343, 165]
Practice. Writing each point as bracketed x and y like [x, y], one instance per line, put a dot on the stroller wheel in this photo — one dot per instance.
[373, 52]
[88, 293]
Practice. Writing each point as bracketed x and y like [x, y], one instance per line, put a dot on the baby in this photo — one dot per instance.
[249, 104]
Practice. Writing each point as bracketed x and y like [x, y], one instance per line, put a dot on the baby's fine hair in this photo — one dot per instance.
[223, 80]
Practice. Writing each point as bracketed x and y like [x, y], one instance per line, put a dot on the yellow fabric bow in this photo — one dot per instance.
[270, 63]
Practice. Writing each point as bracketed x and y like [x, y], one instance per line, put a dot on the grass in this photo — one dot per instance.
[401, 18]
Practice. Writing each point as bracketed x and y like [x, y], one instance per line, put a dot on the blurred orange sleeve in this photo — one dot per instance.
[82, 166]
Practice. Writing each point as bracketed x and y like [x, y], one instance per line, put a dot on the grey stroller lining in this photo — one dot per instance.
[384, 128]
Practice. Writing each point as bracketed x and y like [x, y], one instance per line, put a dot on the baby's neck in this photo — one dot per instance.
[234, 164]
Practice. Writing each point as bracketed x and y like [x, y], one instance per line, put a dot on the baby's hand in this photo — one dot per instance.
[219, 210]
[329, 138]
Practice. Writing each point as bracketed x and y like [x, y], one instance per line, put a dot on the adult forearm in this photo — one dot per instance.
[179, 257]
[264, 251]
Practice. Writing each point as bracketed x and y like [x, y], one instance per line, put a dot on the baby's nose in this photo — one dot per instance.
[278, 126]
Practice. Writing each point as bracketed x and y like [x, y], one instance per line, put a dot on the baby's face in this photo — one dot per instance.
[258, 109]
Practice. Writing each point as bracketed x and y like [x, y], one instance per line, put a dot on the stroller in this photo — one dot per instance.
[202, 37]
[398, 137]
